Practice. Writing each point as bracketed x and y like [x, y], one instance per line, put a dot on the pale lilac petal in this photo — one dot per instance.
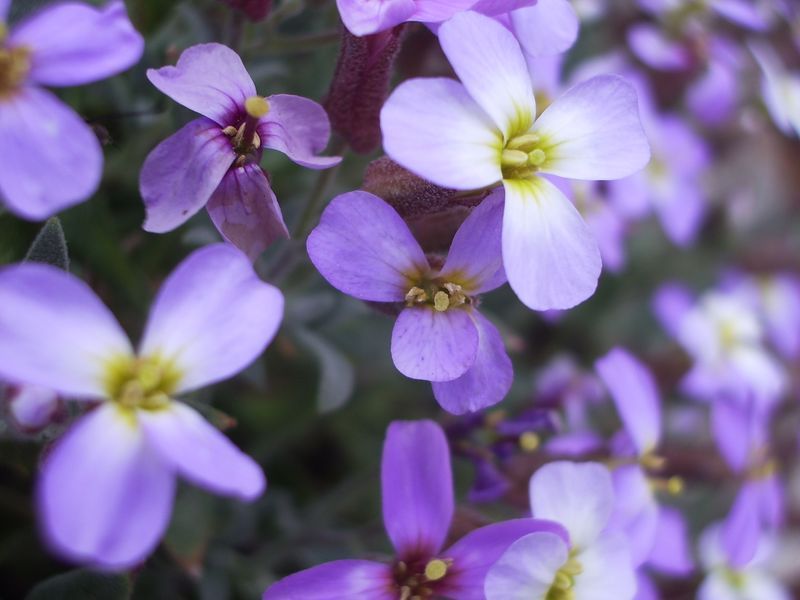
[436, 11]
[180, 175]
[609, 230]
[579, 496]
[780, 90]
[105, 498]
[32, 407]
[682, 211]
[337, 580]
[432, 345]
[365, 249]
[209, 79]
[498, 8]
[731, 426]
[742, 12]
[635, 395]
[51, 158]
[781, 301]
[645, 587]
[593, 131]
[199, 452]
[486, 382]
[4, 6]
[671, 304]
[55, 332]
[526, 571]
[475, 553]
[364, 17]
[246, 212]
[718, 586]
[654, 49]
[74, 43]
[741, 529]
[713, 96]
[636, 511]
[213, 316]
[608, 572]
[435, 129]
[416, 487]
[489, 62]
[574, 444]
[299, 128]
[549, 27]
[475, 259]
[551, 258]
[673, 552]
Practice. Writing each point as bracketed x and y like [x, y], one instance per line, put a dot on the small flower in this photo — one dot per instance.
[213, 161]
[105, 491]
[595, 564]
[364, 249]
[417, 491]
[32, 407]
[51, 158]
[483, 132]
[780, 90]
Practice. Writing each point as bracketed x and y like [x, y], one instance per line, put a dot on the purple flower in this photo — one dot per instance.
[780, 89]
[417, 490]
[33, 407]
[106, 489]
[213, 161]
[51, 158]
[364, 249]
[483, 132]
[594, 565]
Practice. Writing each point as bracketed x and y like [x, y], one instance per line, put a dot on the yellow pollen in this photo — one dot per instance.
[675, 485]
[537, 157]
[513, 158]
[256, 106]
[436, 569]
[141, 383]
[416, 295]
[524, 142]
[441, 301]
[529, 441]
[15, 63]
[653, 462]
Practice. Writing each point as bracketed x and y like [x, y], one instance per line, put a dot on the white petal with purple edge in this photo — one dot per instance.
[209, 79]
[579, 496]
[547, 28]
[526, 570]
[55, 332]
[593, 131]
[433, 128]
[104, 497]
[365, 249]
[550, 256]
[180, 175]
[489, 62]
[212, 317]
[432, 345]
[51, 158]
[486, 382]
[608, 573]
[201, 453]
[97, 43]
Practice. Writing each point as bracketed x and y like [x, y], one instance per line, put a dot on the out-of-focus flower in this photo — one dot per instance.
[483, 132]
[106, 489]
[32, 407]
[780, 89]
[51, 158]
[364, 249]
[417, 492]
[595, 563]
[213, 161]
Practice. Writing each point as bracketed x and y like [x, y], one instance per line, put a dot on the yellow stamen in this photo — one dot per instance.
[256, 106]
[436, 569]
[529, 441]
[675, 485]
[513, 158]
[441, 301]
[537, 157]
[524, 142]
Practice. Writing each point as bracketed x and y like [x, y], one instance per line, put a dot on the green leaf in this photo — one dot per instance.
[50, 246]
[82, 585]
[337, 376]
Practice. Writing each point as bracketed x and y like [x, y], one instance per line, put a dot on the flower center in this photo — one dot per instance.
[440, 295]
[143, 383]
[563, 587]
[523, 156]
[417, 581]
[15, 64]
[245, 139]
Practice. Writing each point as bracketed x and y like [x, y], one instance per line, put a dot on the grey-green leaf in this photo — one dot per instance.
[82, 584]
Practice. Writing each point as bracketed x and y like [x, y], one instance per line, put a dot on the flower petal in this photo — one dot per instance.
[550, 256]
[416, 487]
[635, 395]
[526, 571]
[209, 79]
[51, 158]
[673, 552]
[433, 128]
[180, 175]
[547, 28]
[672, 303]
[475, 259]
[201, 453]
[351, 579]
[4, 6]
[608, 573]
[475, 553]
[489, 62]
[365, 18]
[104, 497]
[212, 317]
[74, 43]
[246, 212]
[299, 128]
[653, 48]
[32, 407]
[593, 131]
[579, 496]
[432, 345]
[486, 382]
[364, 249]
[636, 511]
[55, 332]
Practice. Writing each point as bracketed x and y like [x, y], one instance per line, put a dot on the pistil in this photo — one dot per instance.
[245, 139]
